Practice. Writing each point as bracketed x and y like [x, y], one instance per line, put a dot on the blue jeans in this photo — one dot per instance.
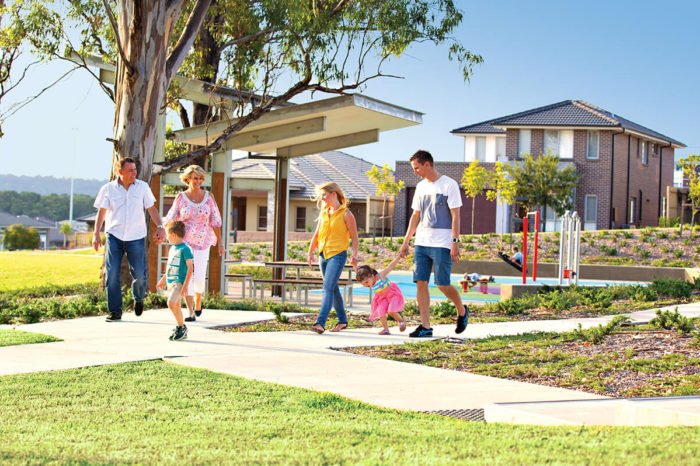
[136, 255]
[331, 270]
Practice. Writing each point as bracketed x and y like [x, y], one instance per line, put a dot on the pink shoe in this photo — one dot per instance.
[402, 325]
[385, 331]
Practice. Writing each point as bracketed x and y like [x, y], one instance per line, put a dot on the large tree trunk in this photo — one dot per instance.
[140, 86]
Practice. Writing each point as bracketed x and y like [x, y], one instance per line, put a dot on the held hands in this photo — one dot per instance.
[311, 258]
[159, 235]
[354, 262]
[403, 250]
[222, 250]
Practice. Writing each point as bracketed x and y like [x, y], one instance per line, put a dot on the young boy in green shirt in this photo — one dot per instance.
[177, 274]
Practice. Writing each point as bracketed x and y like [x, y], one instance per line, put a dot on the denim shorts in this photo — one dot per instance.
[428, 258]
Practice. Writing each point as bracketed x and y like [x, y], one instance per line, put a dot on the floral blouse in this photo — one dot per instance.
[200, 218]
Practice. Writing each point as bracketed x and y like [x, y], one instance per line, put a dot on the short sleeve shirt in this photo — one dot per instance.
[434, 201]
[125, 217]
[178, 256]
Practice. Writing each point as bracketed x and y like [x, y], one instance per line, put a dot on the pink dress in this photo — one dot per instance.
[387, 298]
[200, 218]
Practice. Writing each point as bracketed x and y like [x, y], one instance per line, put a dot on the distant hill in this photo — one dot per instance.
[49, 185]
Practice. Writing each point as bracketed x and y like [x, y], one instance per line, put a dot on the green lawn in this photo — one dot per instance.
[16, 337]
[23, 269]
[156, 412]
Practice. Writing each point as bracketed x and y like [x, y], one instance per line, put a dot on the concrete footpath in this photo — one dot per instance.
[305, 359]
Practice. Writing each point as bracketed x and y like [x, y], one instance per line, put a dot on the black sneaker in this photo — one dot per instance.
[138, 308]
[190, 319]
[421, 332]
[174, 332]
[180, 333]
[462, 321]
[198, 313]
[113, 317]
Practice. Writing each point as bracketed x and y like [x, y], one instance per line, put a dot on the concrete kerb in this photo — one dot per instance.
[294, 358]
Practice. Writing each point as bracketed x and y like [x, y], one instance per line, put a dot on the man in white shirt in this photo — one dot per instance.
[121, 203]
[435, 222]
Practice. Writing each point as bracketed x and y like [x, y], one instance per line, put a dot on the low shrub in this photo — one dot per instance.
[676, 289]
[596, 335]
[673, 321]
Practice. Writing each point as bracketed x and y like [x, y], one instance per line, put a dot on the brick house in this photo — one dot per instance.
[624, 168]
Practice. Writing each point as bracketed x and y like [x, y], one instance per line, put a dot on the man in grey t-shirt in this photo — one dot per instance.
[435, 222]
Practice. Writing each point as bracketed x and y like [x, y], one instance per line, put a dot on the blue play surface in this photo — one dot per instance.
[408, 288]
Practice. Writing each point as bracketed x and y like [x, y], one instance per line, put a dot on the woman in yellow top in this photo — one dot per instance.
[336, 225]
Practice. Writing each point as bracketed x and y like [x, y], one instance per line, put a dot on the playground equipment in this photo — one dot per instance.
[569, 245]
[534, 257]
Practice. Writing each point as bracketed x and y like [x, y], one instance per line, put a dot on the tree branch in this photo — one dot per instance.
[120, 49]
[247, 38]
[194, 23]
[18, 106]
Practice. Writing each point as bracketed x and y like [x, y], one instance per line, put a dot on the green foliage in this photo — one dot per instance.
[52, 206]
[666, 287]
[644, 254]
[673, 321]
[20, 237]
[543, 183]
[443, 309]
[608, 250]
[596, 335]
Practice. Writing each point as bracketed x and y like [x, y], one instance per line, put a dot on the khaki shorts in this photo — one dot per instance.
[175, 290]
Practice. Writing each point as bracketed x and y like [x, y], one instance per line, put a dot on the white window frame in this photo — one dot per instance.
[548, 134]
[586, 220]
[524, 142]
[644, 152]
[589, 146]
[500, 141]
[480, 143]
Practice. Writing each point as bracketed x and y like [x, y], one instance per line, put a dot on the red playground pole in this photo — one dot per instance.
[537, 233]
[525, 249]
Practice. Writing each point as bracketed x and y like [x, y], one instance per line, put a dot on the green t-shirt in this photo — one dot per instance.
[177, 263]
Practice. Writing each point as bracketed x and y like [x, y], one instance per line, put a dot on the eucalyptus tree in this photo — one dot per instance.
[270, 51]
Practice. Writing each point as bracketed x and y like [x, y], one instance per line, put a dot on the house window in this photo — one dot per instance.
[262, 217]
[559, 143]
[645, 152]
[500, 149]
[590, 211]
[551, 142]
[592, 145]
[301, 219]
[524, 142]
[480, 148]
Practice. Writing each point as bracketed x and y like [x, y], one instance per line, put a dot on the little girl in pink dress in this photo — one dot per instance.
[387, 295]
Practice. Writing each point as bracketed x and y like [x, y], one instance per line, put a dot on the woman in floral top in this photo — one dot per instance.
[198, 210]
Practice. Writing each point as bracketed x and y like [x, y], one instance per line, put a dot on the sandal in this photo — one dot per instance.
[402, 325]
[385, 331]
[339, 327]
[318, 328]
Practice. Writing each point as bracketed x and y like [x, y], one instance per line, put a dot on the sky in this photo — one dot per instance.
[637, 59]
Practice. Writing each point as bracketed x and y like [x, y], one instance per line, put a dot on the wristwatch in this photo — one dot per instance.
[159, 226]
[455, 240]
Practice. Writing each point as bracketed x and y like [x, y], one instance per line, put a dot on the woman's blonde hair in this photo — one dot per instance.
[331, 187]
[185, 176]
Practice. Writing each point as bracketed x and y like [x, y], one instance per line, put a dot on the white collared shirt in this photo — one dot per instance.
[125, 218]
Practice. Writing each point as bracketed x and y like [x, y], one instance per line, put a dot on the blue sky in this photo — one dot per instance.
[638, 59]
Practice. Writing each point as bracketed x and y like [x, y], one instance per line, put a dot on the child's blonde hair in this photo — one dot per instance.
[176, 227]
[330, 187]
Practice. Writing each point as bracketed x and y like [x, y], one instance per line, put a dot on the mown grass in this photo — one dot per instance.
[22, 269]
[156, 412]
[16, 337]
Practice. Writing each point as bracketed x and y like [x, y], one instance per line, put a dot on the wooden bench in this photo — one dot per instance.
[302, 283]
[245, 279]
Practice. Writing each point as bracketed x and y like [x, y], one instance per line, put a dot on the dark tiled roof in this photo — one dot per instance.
[485, 127]
[311, 170]
[567, 113]
[8, 219]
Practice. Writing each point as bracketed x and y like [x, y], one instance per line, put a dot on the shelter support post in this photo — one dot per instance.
[279, 245]
[220, 168]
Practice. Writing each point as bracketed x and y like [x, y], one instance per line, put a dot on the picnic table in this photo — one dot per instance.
[304, 283]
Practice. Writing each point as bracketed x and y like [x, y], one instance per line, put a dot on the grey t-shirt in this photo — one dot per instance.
[434, 201]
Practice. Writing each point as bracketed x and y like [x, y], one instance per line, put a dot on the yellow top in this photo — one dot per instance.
[333, 234]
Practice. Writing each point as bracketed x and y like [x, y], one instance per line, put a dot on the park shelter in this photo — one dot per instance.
[279, 135]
